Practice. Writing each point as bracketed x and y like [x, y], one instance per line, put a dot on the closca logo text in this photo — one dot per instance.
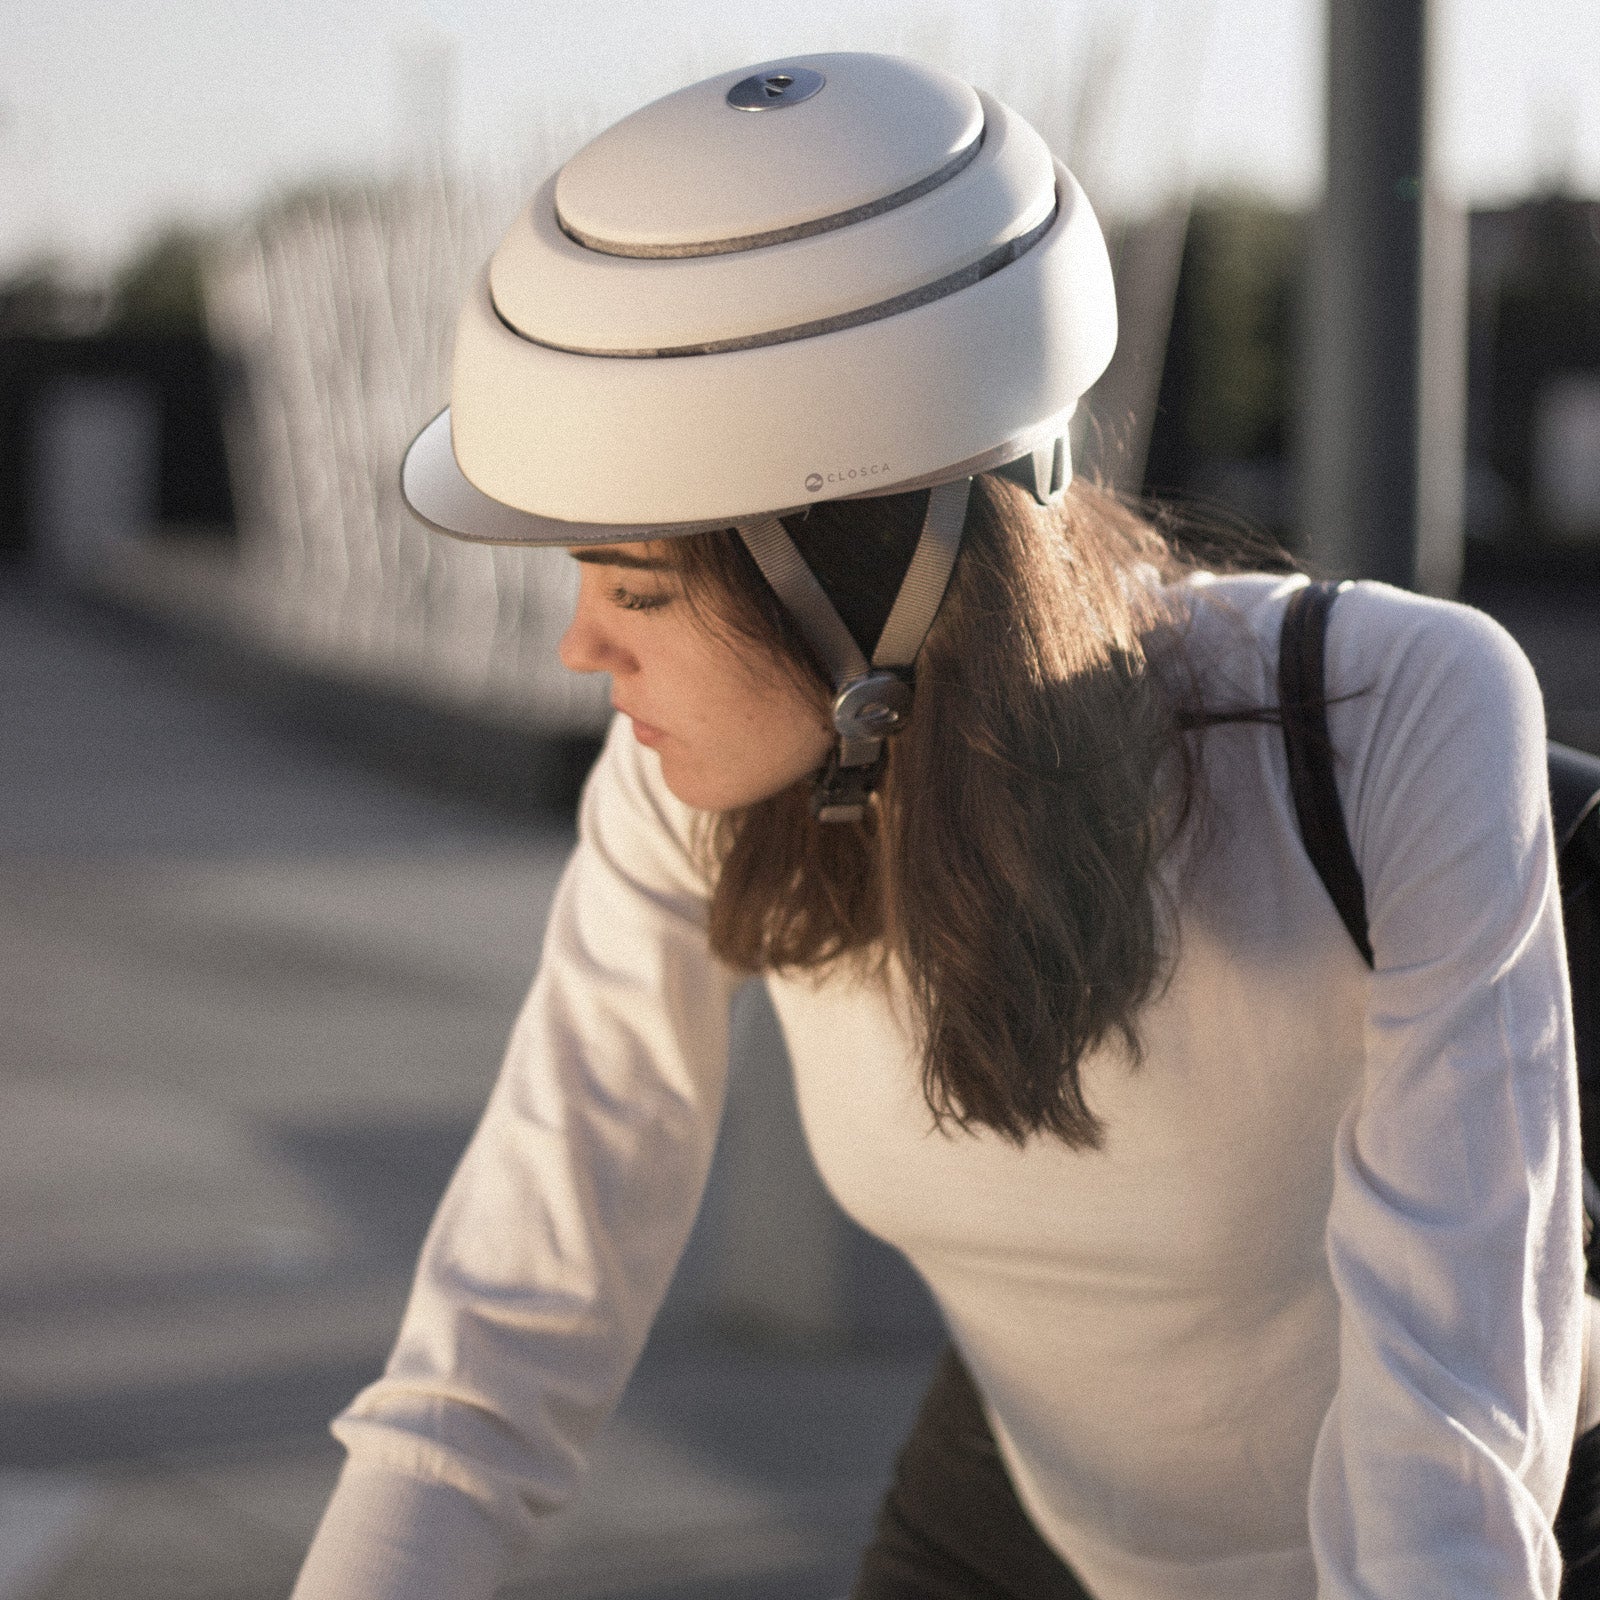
[844, 475]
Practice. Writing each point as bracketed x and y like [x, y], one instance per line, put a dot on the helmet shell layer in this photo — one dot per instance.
[692, 174]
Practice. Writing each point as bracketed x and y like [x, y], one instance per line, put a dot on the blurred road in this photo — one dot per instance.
[254, 996]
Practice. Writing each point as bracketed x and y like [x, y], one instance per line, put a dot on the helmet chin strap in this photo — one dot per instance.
[872, 700]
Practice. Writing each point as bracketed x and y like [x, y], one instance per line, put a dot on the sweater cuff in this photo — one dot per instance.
[388, 1536]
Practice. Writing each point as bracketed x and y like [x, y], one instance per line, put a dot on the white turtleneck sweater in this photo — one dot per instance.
[1307, 1325]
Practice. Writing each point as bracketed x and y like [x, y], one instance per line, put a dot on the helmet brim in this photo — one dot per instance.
[440, 494]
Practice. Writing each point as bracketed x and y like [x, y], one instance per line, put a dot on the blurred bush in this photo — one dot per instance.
[1224, 417]
[38, 298]
[160, 290]
[1241, 268]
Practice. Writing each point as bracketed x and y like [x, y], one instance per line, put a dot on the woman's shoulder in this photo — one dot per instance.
[1379, 638]
[1433, 711]
[1384, 635]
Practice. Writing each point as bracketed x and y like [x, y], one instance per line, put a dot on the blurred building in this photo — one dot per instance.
[1225, 423]
[1534, 410]
[104, 436]
[110, 406]
[263, 389]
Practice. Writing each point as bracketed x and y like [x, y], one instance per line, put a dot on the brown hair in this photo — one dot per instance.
[1008, 862]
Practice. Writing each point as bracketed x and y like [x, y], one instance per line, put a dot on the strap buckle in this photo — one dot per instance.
[842, 794]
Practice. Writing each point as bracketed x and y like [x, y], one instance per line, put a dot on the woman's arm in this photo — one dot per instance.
[556, 1238]
[1454, 1236]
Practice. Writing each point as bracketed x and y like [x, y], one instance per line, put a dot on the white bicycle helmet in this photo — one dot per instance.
[824, 277]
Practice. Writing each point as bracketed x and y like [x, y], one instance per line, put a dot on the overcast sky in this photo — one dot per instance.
[119, 115]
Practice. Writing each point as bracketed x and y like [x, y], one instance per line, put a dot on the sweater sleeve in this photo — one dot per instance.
[1454, 1236]
[556, 1238]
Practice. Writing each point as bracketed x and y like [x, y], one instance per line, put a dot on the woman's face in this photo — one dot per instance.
[729, 725]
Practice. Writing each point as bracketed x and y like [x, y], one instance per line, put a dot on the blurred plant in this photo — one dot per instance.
[1241, 267]
[159, 290]
[39, 298]
[1225, 412]
[28, 296]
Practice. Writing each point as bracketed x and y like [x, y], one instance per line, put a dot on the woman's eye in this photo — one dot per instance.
[632, 600]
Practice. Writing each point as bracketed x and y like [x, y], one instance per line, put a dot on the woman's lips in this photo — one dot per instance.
[646, 733]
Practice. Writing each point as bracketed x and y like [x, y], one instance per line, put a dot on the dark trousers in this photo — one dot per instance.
[951, 1527]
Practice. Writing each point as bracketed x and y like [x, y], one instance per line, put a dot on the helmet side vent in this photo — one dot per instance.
[998, 258]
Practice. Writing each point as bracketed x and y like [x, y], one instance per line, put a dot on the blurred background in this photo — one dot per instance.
[285, 782]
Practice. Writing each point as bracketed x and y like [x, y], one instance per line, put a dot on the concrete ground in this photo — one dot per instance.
[255, 993]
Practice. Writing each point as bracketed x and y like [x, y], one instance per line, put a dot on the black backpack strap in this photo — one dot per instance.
[1302, 697]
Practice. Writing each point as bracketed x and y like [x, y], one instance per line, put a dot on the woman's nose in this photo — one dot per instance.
[586, 646]
[579, 648]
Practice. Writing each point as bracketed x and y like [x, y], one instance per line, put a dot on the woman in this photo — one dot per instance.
[1264, 1269]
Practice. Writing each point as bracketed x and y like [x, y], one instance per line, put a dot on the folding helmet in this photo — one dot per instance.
[824, 277]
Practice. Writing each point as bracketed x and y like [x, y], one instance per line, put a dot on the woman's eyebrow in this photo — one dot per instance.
[599, 556]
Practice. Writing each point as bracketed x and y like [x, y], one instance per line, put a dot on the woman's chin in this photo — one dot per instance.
[715, 790]
[688, 782]
[703, 796]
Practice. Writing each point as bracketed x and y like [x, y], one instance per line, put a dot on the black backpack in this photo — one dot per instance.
[1575, 802]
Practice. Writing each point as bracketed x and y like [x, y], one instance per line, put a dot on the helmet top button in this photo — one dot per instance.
[772, 91]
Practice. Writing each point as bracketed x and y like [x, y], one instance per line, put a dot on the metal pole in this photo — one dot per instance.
[1382, 421]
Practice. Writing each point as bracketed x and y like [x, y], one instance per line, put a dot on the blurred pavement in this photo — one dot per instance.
[255, 994]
